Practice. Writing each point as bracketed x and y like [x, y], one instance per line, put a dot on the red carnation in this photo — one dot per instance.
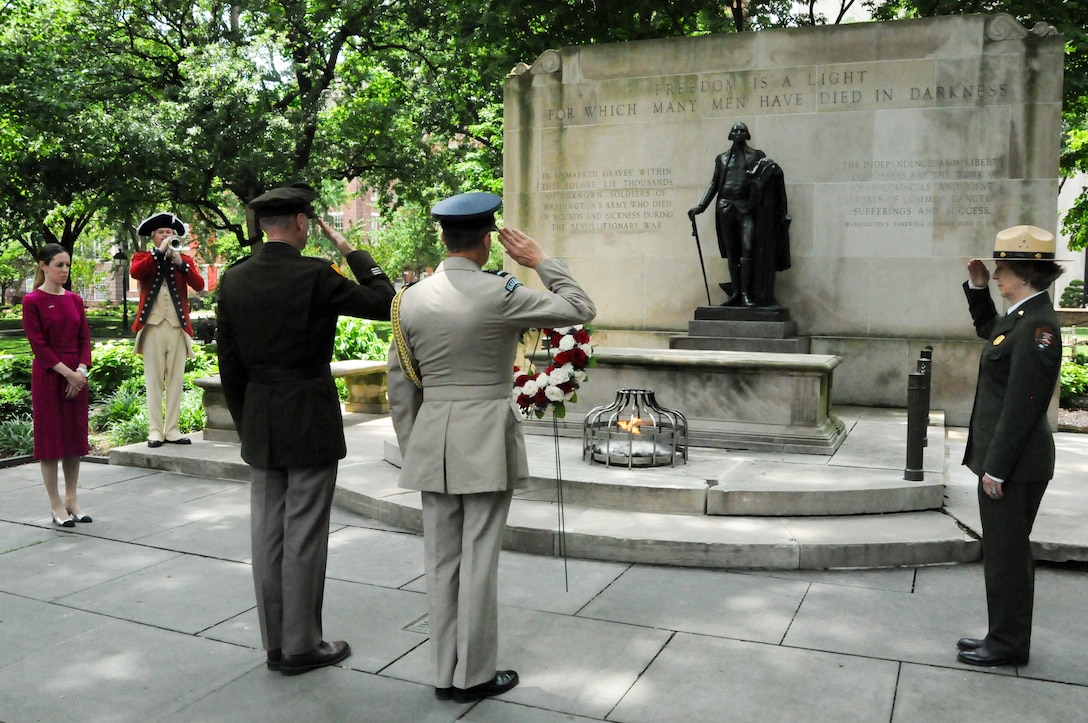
[578, 357]
[581, 336]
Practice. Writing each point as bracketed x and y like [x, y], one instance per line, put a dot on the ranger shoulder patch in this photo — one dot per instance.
[1044, 337]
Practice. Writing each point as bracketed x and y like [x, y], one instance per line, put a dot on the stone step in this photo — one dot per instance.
[793, 345]
[909, 538]
[659, 515]
[753, 329]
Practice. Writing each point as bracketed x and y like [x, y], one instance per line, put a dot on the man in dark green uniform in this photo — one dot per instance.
[1010, 446]
[276, 325]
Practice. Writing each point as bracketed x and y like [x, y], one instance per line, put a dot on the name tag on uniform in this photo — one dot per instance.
[998, 339]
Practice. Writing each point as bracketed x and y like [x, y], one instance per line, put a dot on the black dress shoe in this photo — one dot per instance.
[274, 659]
[443, 693]
[503, 681]
[183, 440]
[324, 654]
[970, 643]
[154, 443]
[982, 656]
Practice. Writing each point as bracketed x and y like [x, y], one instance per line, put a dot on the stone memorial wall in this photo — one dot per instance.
[905, 146]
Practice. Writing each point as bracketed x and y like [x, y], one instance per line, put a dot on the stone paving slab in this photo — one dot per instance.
[120, 671]
[726, 605]
[332, 694]
[371, 618]
[916, 627]
[931, 695]
[149, 595]
[69, 563]
[567, 664]
[627, 642]
[701, 678]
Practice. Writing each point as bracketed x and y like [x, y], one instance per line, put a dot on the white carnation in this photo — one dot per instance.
[530, 388]
[566, 343]
[555, 394]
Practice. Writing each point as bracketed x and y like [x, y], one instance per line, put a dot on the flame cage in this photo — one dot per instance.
[635, 431]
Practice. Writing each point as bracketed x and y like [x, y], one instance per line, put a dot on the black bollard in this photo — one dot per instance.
[916, 426]
[925, 366]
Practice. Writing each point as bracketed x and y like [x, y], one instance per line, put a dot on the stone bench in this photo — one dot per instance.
[365, 380]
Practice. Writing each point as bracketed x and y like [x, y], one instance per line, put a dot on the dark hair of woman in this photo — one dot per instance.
[1038, 274]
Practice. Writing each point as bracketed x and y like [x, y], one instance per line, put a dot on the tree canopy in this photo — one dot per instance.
[113, 108]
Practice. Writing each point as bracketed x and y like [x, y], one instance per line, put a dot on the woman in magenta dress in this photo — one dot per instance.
[56, 327]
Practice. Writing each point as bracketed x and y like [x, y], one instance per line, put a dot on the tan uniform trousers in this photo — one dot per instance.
[462, 536]
[165, 349]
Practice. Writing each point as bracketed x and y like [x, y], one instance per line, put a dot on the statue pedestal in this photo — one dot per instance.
[732, 400]
[738, 328]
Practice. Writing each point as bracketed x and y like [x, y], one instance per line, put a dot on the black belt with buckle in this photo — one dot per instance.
[271, 376]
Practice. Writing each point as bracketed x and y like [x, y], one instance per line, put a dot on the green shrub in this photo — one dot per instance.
[113, 362]
[14, 401]
[127, 401]
[201, 365]
[1074, 380]
[128, 431]
[193, 418]
[17, 436]
[16, 369]
[1072, 295]
[357, 339]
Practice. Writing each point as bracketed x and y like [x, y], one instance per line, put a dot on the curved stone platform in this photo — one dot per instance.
[655, 522]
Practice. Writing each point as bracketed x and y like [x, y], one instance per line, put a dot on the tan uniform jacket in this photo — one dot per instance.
[461, 434]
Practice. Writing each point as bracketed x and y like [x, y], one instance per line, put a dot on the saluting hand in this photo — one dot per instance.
[335, 236]
[521, 248]
[978, 273]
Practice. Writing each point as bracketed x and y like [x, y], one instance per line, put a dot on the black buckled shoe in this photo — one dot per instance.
[503, 681]
[275, 657]
[324, 654]
[444, 693]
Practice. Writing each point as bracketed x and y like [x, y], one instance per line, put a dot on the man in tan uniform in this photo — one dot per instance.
[456, 335]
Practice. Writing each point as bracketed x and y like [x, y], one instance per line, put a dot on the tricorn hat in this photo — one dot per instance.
[162, 219]
[1024, 243]
[467, 210]
[285, 201]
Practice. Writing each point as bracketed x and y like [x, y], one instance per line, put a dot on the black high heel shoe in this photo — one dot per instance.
[63, 523]
[80, 518]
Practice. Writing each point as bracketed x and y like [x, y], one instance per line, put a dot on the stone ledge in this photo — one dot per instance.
[365, 380]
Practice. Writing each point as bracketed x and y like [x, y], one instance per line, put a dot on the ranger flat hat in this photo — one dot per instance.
[467, 210]
[1024, 243]
[285, 201]
[162, 219]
